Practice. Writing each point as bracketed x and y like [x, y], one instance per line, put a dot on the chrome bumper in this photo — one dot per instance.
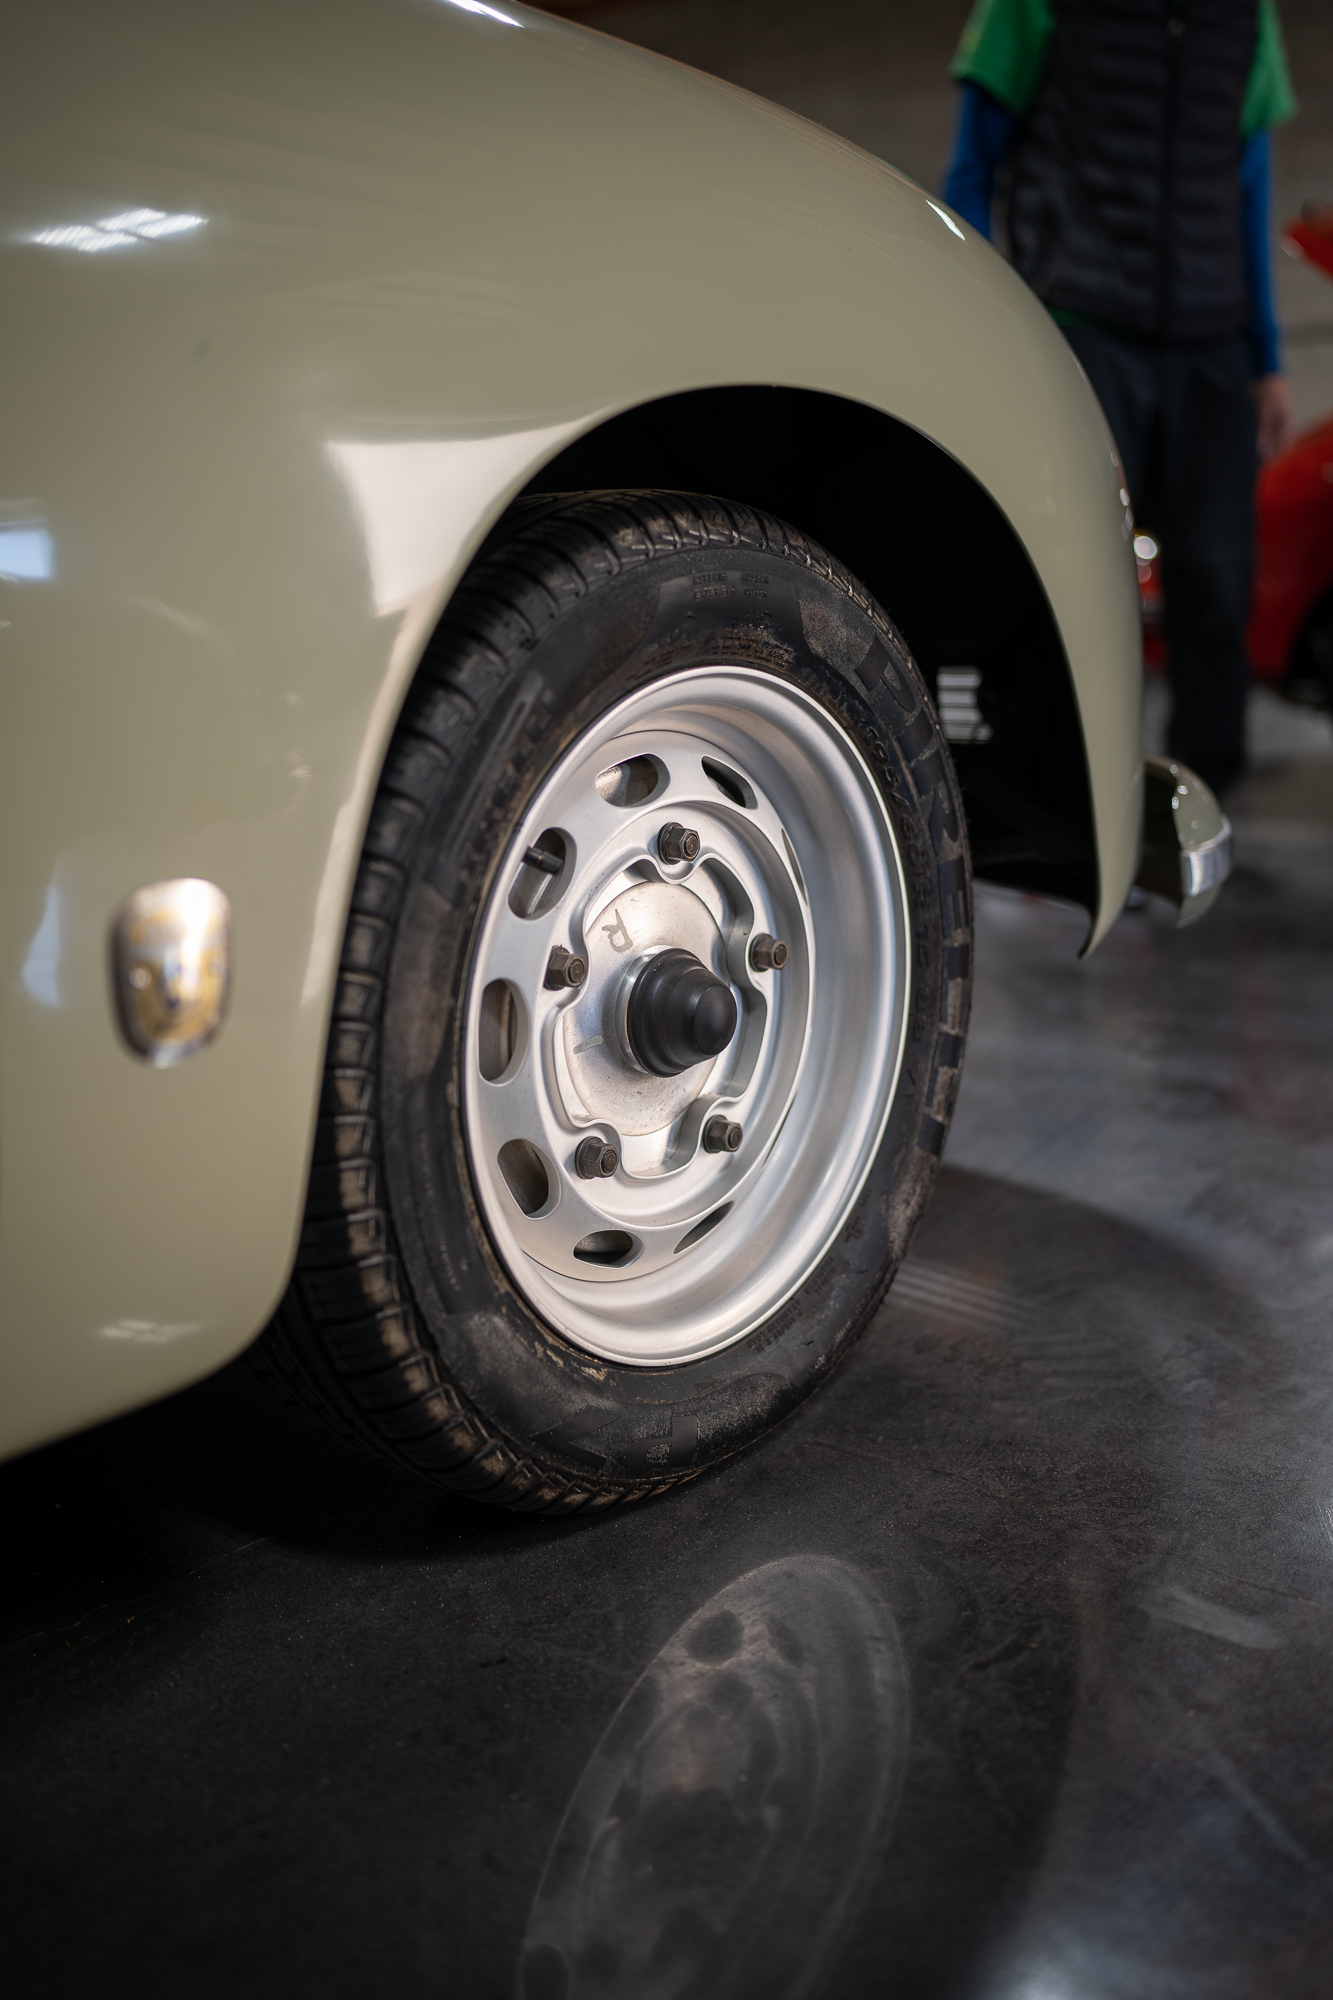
[1186, 839]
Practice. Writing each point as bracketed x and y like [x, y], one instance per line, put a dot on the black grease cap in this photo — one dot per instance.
[680, 1014]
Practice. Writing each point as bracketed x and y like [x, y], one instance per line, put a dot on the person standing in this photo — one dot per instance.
[1135, 138]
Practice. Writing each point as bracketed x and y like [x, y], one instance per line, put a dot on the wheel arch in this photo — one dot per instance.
[936, 551]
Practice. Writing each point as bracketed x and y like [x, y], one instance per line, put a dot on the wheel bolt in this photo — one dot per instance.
[677, 843]
[595, 1160]
[767, 954]
[565, 968]
[722, 1136]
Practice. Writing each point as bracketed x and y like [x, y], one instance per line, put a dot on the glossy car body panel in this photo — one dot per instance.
[252, 457]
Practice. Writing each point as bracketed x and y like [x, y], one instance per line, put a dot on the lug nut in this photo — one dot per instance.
[767, 954]
[565, 968]
[722, 1136]
[677, 843]
[596, 1161]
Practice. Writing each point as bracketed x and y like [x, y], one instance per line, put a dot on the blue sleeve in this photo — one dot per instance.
[1255, 189]
[985, 132]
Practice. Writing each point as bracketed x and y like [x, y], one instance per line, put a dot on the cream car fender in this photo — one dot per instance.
[348, 278]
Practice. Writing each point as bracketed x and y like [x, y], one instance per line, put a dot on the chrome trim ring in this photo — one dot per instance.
[1207, 866]
[681, 1249]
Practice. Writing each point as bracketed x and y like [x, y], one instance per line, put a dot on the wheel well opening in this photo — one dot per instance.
[942, 560]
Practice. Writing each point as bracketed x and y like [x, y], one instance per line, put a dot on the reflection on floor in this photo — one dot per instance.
[752, 1768]
[1002, 1670]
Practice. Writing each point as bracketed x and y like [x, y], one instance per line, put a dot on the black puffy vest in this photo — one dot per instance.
[1125, 197]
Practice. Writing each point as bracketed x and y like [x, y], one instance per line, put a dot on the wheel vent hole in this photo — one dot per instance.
[525, 1175]
[499, 1031]
[544, 875]
[704, 1228]
[730, 783]
[606, 1246]
[630, 783]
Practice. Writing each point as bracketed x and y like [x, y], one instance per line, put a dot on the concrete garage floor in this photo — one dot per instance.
[1002, 1670]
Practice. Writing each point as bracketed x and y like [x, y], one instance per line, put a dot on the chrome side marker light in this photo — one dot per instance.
[171, 968]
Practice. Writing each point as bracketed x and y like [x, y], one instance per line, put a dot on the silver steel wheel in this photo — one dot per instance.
[666, 1238]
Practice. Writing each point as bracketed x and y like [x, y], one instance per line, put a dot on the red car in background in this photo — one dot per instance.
[1290, 633]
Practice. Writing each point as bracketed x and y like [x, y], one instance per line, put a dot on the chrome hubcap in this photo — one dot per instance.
[652, 1199]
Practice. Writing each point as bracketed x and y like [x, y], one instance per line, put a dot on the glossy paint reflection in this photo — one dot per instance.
[417, 500]
[117, 232]
[27, 554]
[721, 1836]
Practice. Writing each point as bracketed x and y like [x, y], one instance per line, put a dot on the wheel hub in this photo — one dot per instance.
[679, 1015]
[600, 1072]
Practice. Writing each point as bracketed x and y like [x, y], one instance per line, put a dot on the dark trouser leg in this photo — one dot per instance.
[1207, 470]
[1184, 422]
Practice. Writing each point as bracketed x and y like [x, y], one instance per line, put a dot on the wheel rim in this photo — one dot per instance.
[682, 1249]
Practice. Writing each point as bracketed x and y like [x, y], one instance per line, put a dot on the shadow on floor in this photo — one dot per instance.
[1015, 1635]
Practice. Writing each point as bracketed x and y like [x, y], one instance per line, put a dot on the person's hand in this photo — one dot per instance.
[1272, 396]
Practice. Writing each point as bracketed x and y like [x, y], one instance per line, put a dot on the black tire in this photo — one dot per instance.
[401, 1326]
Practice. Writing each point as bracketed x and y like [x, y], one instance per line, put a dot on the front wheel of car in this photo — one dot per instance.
[650, 1012]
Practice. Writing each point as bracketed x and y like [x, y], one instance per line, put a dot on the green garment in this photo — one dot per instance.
[1003, 48]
